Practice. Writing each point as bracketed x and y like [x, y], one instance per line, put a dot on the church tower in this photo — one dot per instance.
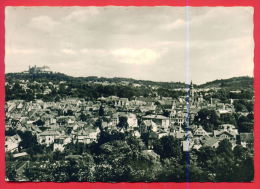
[191, 90]
[191, 94]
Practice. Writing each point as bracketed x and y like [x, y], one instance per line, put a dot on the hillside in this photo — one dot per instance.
[57, 77]
[231, 83]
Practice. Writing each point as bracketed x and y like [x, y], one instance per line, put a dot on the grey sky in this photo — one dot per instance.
[138, 42]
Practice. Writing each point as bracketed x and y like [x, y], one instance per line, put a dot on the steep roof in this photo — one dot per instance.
[210, 141]
[220, 132]
[49, 133]
[155, 117]
[149, 123]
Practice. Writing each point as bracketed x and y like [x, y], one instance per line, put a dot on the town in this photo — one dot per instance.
[65, 120]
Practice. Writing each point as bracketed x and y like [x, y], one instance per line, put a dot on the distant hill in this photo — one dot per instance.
[57, 77]
[232, 83]
[38, 77]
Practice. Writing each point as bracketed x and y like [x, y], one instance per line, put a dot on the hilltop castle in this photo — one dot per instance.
[37, 70]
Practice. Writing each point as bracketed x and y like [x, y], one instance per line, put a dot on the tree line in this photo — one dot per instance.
[119, 157]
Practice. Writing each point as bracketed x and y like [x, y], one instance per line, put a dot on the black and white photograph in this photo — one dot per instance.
[129, 94]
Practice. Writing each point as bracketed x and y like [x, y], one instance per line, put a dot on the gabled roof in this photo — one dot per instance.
[86, 131]
[35, 128]
[155, 117]
[82, 132]
[210, 141]
[220, 132]
[49, 133]
[200, 129]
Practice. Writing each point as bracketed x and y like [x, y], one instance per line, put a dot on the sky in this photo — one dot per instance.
[149, 43]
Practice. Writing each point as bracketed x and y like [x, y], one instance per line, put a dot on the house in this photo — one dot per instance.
[197, 144]
[122, 102]
[162, 121]
[229, 128]
[200, 132]
[225, 109]
[86, 135]
[176, 128]
[63, 120]
[12, 143]
[60, 142]
[177, 118]
[47, 137]
[148, 125]
[226, 131]
[34, 129]
[115, 119]
[136, 134]
[178, 134]
[210, 142]
[131, 119]
[222, 134]
[187, 145]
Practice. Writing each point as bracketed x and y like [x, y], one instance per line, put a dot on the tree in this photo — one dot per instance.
[101, 111]
[10, 170]
[239, 107]
[27, 140]
[123, 124]
[167, 147]
[239, 152]
[112, 161]
[244, 172]
[245, 124]
[108, 137]
[225, 148]
[10, 132]
[172, 171]
[69, 113]
[126, 161]
[205, 156]
[195, 173]
[58, 155]
[222, 94]
[208, 119]
[166, 113]
[243, 105]
[223, 169]
[39, 122]
[98, 123]
[83, 117]
[228, 119]
[135, 144]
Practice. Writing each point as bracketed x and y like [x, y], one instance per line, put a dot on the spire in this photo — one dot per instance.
[191, 89]
[191, 85]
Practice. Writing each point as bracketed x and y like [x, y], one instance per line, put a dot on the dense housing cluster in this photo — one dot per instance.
[134, 132]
